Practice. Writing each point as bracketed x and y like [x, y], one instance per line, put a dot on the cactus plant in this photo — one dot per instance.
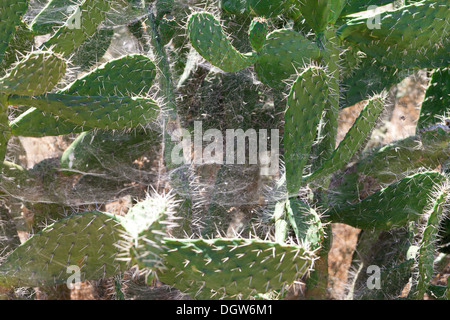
[303, 62]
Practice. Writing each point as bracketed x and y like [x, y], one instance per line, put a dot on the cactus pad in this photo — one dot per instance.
[306, 223]
[90, 14]
[95, 112]
[11, 12]
[437, 99]
[232, 268]
[147, 223]
[108, 79]
[83, 240]
[130, 75]
[284, 52]
[354, 139]
[257, 33]
[426, 253]
[318, 13]
[416, 35]
[36, 74]
[306, 101]
[35, 123]
[209, 39]
[393, 206]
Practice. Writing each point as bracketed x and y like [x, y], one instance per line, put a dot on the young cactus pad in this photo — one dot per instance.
[257, 33]
[147, 223]
[305, 223]
[437, 99]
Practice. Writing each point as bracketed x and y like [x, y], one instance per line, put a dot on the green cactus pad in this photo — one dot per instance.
[209, 39]
[95, 112]
[36, 74]
[426, 254]
[238, 7]
[326, 138]
[70, 36]
[305, 104]
[318, 13]
[269, 8]
[232, 268]
[22, 42]
[35, 123]
[416, 35]
[54, 14]
[280, 223]
[433, 146]
[284, 53]
[427, 150]
[129, 75]
[353, 140]
[336, 10]
[437, 99]
[108, 79]
[86, 241]
[257, 33]
[11, 12]
[306, 223]
[393, 206]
